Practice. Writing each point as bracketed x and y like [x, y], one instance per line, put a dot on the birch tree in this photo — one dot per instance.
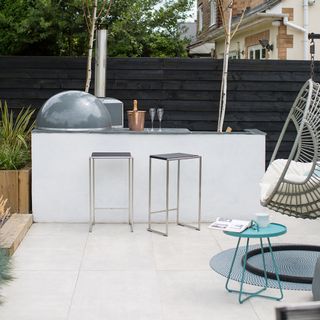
[94, 11]
[226, 9]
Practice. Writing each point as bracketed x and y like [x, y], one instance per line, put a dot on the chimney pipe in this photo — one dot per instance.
[100, 64]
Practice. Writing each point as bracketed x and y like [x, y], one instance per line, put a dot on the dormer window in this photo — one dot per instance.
[213, 12]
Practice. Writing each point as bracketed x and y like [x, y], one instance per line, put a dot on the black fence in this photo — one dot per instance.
[260, 93]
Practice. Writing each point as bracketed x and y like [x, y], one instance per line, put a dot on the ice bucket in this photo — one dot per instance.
[136, 120]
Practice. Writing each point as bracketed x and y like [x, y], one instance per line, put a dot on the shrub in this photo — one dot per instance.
[15, 139]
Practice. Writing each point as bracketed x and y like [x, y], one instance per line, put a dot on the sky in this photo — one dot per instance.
[193, 11]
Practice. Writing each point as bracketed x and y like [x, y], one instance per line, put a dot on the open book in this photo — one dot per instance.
[232, 225]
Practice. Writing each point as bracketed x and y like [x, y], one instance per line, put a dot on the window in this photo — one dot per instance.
[234, 55]
[257, 52]
[213, 12]
[200, 18]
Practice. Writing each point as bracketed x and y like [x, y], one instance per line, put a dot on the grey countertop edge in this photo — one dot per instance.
[166, 131]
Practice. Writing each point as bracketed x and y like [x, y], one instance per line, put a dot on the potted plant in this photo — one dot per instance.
[15, 156]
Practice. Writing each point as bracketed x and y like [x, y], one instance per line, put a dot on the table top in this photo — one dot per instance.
[273, 230]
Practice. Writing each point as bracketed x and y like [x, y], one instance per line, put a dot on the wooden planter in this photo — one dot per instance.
[14, 231]
[15, 185]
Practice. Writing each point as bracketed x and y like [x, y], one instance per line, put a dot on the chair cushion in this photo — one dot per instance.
[295, 173]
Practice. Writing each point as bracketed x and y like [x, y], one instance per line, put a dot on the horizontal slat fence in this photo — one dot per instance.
[260, 93]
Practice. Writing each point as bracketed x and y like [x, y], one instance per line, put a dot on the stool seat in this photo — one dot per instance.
[174, 156]
[105, 155]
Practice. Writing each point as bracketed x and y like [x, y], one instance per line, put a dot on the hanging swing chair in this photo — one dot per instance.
[292, 186]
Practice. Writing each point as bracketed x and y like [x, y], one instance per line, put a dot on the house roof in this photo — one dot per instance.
[251, 16]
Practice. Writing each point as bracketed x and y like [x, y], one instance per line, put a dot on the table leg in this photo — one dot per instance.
[275, 270]
[231, 267]
[264, 264]
[243, 272]
[249, 295]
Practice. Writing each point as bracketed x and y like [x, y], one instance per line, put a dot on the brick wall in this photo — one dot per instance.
[206, 18]
[254, 40]
[238, 7]
[284, 40]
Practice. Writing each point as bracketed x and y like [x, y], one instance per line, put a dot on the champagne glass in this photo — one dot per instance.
[152, 113]
[160, 112]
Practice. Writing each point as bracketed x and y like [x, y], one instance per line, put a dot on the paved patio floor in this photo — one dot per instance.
[64, 273]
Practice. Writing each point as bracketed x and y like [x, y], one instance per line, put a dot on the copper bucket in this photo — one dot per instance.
[136, 120]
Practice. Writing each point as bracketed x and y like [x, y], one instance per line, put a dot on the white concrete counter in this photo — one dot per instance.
[233, 165]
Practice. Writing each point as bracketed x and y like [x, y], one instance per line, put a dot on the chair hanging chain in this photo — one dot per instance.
[312, 53]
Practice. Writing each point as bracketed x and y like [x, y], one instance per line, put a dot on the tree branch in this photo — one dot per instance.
[102, 8]
[241, 18]
[85, 14]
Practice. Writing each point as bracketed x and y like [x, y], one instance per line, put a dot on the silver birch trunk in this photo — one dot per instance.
[224, 80]
[91, 39]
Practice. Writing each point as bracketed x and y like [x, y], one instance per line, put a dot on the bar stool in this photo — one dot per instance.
[169, 157]
[110, 156]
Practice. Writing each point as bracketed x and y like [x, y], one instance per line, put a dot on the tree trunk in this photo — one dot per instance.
[224, 80]
[91, 39]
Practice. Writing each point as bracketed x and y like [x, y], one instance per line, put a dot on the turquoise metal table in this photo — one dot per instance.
[254, 232]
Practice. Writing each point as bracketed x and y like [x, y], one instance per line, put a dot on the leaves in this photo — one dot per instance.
[4, 211]
[15, 138]
[54, 27]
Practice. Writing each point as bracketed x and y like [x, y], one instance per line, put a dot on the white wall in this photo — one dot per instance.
[233, 164]
[296, 53]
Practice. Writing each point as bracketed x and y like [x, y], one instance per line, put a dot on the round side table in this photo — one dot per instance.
[273, 230]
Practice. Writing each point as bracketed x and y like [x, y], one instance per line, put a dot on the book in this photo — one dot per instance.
[232, 225]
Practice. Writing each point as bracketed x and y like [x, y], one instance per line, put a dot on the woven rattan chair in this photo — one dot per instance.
[300, 199]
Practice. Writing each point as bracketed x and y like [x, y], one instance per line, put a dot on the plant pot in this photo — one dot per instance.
[15, 185]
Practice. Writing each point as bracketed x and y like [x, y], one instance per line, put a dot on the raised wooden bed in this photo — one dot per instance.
[15, 185]
[13, 232]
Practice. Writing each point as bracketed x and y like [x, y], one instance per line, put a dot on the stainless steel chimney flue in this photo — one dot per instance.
[100, 64]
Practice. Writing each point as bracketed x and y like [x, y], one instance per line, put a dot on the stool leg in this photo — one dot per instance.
[178, 192]
[93, 192]
[91, 207]
[130, 192]
[167, 197]
[197, 227]
[150, 172]
[200, 182]
[166, 210]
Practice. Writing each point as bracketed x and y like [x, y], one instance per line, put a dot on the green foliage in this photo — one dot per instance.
[15, 138]
[41, 27]
[5, 269]
[54, 27]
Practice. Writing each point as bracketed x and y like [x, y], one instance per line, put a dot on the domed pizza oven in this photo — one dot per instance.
[73, 111]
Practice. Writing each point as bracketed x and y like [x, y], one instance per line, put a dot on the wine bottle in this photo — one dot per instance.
[135, 105]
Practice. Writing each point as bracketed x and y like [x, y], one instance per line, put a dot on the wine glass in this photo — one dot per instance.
[160, 112]
[152, 113]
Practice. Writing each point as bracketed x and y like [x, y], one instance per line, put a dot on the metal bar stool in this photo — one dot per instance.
[168, 158]
[110, 156]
